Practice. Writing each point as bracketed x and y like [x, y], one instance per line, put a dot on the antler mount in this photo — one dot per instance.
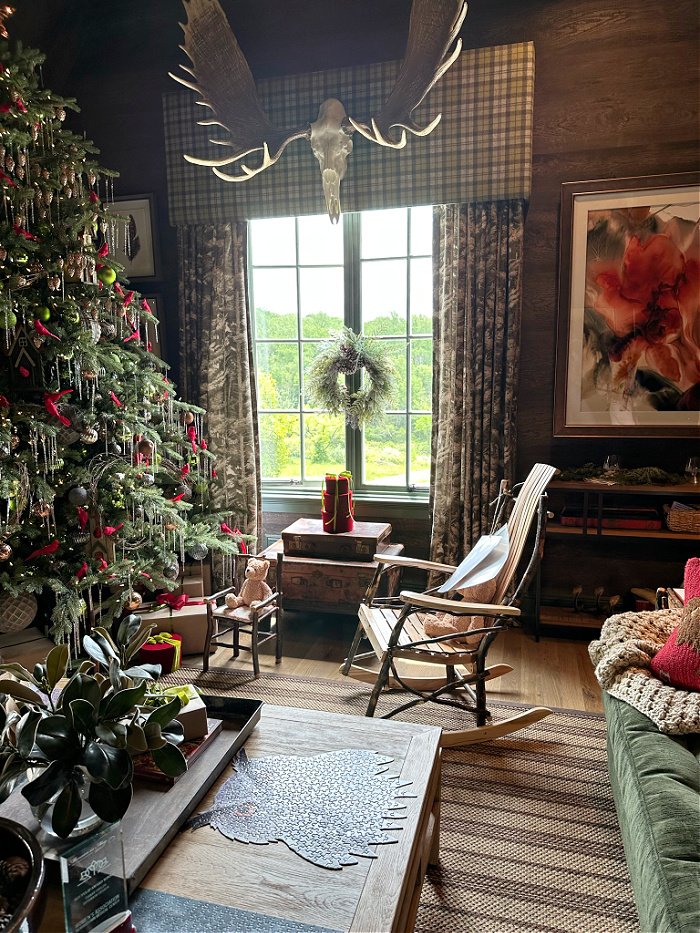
[221, 76]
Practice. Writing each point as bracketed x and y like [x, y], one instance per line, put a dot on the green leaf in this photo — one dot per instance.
[109, 804]
[56, 664]
[170, 760]
[81, 687]
[21, 672]
[136, 739]
[122, 702]
[84, 716]
[163, 714]
[39, 673]
[144, 671]
[95, 651]
[66, 810]
[173, 732]
[108, 764]
[137, 641]
[106, 733]
[10, 773]
[20, 691]
[153, 735]
[128, 627]
[26, 732]
[57, 739]
[52, 779]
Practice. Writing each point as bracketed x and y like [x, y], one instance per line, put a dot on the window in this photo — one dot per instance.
[372, 272]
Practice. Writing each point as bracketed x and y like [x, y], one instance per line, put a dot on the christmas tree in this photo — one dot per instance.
[105, 474]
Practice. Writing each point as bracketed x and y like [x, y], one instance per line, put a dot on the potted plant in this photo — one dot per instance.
[76, 744]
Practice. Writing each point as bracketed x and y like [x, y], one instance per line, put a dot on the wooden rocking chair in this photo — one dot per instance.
[394, 626]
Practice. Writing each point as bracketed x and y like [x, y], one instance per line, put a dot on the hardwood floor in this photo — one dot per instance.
[552, 672]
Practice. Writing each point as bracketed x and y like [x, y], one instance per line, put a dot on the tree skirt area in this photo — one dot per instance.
[529, 836]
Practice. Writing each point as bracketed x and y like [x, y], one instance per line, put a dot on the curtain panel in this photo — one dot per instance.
[481, 150]
[478, 254]
[216, 361]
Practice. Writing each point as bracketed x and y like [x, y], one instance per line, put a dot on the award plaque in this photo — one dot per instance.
[93, 883]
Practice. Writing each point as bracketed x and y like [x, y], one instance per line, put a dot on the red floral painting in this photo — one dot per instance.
[633, 353]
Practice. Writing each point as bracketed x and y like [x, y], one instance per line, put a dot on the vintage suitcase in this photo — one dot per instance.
[322, 585]
[306, 538]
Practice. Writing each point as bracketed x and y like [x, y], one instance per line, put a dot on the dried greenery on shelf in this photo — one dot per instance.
[639, 476]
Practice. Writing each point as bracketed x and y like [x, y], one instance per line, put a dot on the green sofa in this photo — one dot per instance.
[656, 786]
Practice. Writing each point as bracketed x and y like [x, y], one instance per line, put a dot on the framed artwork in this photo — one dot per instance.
[155, 334]
[628, 337]
[132, 240]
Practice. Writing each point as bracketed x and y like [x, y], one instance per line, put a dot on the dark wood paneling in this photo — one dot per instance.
[617, 88]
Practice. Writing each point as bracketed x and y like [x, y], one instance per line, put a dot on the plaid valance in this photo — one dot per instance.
[481, 151]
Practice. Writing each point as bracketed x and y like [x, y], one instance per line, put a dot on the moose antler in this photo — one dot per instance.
[433, 27]
[222, 78]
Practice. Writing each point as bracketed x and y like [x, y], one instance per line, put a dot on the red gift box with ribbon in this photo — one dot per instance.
[165, 649]
[337, 507]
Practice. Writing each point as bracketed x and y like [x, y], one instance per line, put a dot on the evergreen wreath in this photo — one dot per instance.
[345, 354]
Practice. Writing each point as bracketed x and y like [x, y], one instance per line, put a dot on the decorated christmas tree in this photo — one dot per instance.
[105, 475]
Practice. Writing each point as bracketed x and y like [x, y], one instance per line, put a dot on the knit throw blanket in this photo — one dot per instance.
[622, 656]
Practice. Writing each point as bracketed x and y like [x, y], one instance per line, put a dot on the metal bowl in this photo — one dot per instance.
[16, 839]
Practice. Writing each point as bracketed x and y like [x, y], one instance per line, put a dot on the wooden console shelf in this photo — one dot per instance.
[592, 505]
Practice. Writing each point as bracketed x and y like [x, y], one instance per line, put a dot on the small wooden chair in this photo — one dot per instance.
[394, 627]
[222, 621]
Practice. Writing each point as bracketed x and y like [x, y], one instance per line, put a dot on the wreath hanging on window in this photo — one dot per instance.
[343, 355]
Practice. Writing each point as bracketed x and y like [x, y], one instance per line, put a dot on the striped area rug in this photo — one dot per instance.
[529, 836]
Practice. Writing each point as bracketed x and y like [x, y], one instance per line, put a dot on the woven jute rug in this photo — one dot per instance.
[529, 837]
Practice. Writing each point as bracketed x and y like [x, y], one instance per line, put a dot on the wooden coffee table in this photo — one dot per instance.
[270, 880]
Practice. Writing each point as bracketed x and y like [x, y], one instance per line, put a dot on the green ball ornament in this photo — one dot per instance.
[71, 316]
[21, 258]
[43, 313]
[8, 319]
[107, 275]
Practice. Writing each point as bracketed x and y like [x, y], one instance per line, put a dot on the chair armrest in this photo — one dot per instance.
[413, 562]
[457, 608]
[215, 596]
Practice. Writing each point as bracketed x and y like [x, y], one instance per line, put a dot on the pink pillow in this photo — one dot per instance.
[691, 579]
[678, 662]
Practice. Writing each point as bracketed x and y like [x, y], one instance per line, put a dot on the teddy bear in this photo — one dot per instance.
[254, 589]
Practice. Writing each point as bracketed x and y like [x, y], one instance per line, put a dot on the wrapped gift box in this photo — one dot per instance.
[190, 622]
[192, 586]
[162, 652]
[193, 715]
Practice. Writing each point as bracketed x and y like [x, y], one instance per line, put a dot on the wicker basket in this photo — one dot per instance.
[686, 521]
[17, 612]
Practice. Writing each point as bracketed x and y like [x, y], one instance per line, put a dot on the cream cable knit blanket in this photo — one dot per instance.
[621, 658]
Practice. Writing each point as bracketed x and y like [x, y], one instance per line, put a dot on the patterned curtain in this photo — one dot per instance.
[477, 285]
[216, 360]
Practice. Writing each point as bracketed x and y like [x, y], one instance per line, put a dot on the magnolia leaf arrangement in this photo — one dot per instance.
[88, 733]
[346, 354]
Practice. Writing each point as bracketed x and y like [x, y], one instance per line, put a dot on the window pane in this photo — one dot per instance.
[272, 242]
[385, 451]
[324, 445]
[278, 374]
[309, 351]
[384, 297]
[275, 298]
[420, 450]
[421, 296]
[280, 447]
[395, 350]
[322, 301]
[421, 231]
[421, 375]
[320, 241]
[384, 233]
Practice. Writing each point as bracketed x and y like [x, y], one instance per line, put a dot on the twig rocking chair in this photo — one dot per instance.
[394, 626]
